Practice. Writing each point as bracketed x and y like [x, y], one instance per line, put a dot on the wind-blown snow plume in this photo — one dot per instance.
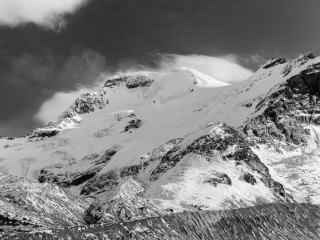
[223, 68]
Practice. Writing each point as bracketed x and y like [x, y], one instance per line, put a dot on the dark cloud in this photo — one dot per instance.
[28, 79]
[108, 34]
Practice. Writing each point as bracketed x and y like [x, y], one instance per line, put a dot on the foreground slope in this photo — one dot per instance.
[27, 205]
[268, 222]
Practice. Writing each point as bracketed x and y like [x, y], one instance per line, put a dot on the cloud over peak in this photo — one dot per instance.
[46, 13]
[223, 68]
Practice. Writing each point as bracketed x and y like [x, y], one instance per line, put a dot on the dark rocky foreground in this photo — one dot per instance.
[271, 221]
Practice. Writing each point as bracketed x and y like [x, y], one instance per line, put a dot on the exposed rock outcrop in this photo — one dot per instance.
[220, 179]
[286, 109]
[301, 60]
[249, 178]
[76, 173]
[220, 139]
[41, 133]
[133, 124]
[27, 205]
[273, 62]
[131, 81]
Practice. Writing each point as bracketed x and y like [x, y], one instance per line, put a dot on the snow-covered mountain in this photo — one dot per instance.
[149, 144]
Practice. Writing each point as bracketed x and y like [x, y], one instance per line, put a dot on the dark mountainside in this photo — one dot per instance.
[272, 221]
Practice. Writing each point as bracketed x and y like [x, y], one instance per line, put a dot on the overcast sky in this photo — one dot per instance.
[49, 48]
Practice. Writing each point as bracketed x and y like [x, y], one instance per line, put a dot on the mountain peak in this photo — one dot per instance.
[273, 62]
[202, 79]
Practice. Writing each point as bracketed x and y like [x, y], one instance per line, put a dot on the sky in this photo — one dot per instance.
[52, 50]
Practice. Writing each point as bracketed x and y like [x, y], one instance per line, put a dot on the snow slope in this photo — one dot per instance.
[173, 105]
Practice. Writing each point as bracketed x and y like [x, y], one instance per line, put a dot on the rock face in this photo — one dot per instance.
[301, 60]
[284, 111]
[133, 124]
[42, 133]
[273, 62]
[131, 81]
[75, 173]
[220, 179]
[249, 178]
[220, 140]
[27, 205]
[86, 103]
[265, 222]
